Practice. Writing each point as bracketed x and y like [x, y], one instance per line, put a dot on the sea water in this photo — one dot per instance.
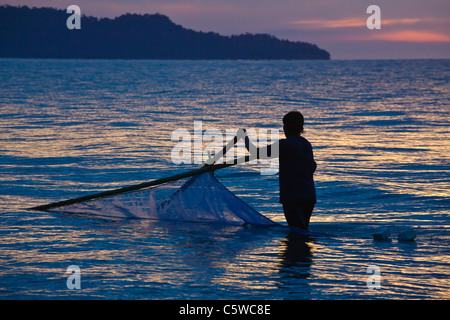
[381, 138]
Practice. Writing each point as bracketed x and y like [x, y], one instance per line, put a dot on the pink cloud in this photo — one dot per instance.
[411, 36]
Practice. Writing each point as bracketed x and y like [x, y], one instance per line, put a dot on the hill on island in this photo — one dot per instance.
[42, 33]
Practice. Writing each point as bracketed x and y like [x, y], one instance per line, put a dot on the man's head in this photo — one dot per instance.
[293, 123]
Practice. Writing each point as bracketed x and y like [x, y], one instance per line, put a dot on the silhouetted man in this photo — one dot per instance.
[297, 166]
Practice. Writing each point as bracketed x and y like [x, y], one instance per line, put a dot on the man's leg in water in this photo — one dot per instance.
[298, 213]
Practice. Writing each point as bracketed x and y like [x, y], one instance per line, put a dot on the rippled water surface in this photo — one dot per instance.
[380, 132]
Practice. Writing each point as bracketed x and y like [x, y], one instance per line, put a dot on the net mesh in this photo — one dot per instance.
[201, 198]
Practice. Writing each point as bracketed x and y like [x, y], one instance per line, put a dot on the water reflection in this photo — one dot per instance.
[296, 260]
[65, 134]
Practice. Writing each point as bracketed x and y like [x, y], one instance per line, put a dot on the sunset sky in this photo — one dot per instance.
[409, 28]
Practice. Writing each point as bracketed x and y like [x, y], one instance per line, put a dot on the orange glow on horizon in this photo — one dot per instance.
[412, 36]
[357, 27]
[355, 22]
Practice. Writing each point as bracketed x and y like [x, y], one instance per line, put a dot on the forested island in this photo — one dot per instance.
[43, 33]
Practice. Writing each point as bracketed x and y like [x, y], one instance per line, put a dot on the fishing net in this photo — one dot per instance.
[201, 198]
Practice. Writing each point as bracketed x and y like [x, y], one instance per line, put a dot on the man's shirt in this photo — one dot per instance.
[297, 167]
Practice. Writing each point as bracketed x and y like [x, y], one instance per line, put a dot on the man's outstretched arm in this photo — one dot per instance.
[267, 152]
